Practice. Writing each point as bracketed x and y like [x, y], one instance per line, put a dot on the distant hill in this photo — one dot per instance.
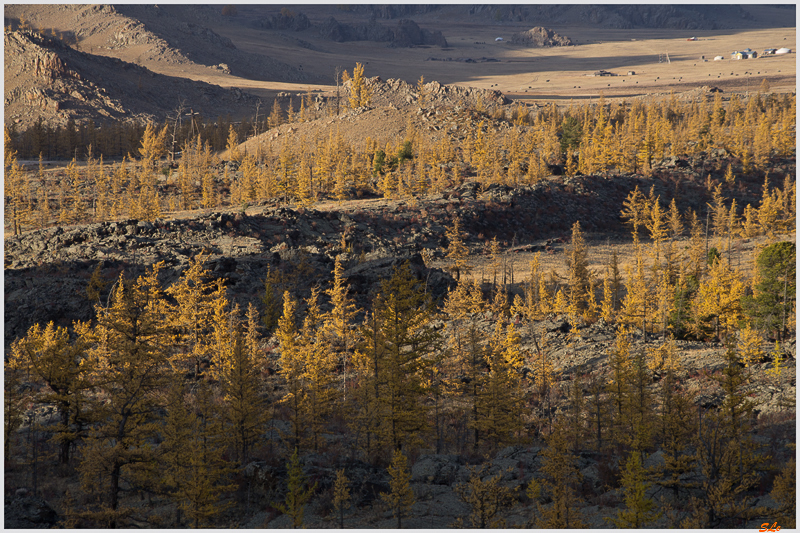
[46, 78]
[625, 16]
[160, 37]
[618, 16]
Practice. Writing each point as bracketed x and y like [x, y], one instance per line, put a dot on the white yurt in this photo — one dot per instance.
[783, 51]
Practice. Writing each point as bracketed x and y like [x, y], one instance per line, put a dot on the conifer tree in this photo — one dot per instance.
[770, 306]
[656, 225]
[674, 221]
[318, 372]
[534, 493]
[131, 364]
[664, 301]
[615, 279]
[457, 252]
[174, 450]
[465, 365]
[341, 495]
[749, 345]
[339, 319]
[486, 497]
[275, 118]
[717, 305]
[296, 495]
[360, 94]
[768, 211]
[152, 144]
[697, 247]
[494, 259]
[677, 426]
[233, 145]
[638, 416]
[577, 265]
[620, 365]
[499, 305]
[727, 455]
[401, 498]
[784, 491]
[50, 356]
[639, 509]
[561, 478]
[191, 316]
[607, 309]
[422, 93]
[635, 306]
[500, 400]
[194, 442]
[236, 366]
[635, 211]
[719, 212]
[575, 410]
[529, 305]
[15, 403]
[290, 113]
[271, 302]
[597, 410]
[405, 339]
[292, 366]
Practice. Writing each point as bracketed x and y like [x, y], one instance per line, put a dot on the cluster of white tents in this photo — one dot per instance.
[752, 54]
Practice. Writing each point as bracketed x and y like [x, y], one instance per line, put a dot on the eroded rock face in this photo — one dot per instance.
[286, 21]
[540, 37]
[407, 33]
[436, 469]
[45, 78]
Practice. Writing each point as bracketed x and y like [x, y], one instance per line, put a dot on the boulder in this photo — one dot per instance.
[436, 468]
[540, 37]
[25, 510]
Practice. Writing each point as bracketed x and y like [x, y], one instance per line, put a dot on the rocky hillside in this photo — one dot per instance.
[677, 17]
[160, 37]
[623, 16]
[46, 78]
[404, 34]
[47, 272]
[394, 106]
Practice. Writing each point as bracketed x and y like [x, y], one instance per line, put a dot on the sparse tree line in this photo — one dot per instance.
[115, 139]
[168, 392]
[590, 139]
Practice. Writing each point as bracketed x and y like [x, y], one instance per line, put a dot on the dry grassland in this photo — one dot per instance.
[546, 74]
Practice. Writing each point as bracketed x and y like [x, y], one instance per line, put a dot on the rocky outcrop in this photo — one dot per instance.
[407, 33]
[46, 270]
[623, 16]
[25, 510]
[399, 93]
[339, 32]
[539, 37]
[46, 78]
[287, 21]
